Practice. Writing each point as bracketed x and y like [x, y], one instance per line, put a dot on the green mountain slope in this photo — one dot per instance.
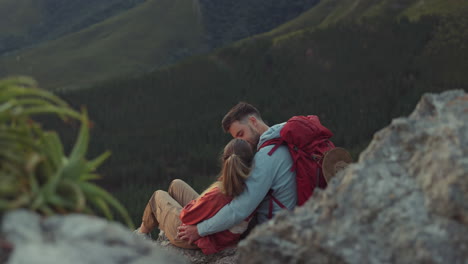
[226, 21]
[356, 76]
[334, 11]
[26, 23]
[18, 16]
[154, 33]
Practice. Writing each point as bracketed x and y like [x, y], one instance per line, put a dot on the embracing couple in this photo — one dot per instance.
[250, 177]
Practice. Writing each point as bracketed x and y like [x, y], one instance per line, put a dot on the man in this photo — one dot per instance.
[269, 173]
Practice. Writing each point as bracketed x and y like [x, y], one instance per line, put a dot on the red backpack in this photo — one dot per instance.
[307, 142]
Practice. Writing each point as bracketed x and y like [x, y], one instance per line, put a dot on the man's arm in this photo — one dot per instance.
[257, 186]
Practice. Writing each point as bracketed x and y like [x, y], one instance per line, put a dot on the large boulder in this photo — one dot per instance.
[28, 238]
[404, 201]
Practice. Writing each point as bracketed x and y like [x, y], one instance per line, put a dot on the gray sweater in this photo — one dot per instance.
[269, 172]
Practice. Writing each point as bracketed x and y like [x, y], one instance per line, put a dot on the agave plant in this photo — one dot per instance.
[35, 173]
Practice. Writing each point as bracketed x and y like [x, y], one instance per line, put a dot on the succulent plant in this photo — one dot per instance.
[35, 173]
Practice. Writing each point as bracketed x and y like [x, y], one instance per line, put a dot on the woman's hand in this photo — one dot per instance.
[188, 232]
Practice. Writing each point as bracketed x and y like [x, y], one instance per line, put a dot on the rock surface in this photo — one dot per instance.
[405, 201]
[72, 239]
[196, 256]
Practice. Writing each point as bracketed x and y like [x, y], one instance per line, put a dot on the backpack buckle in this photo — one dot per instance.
[316, 157]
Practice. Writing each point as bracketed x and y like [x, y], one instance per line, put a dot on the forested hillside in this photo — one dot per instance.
[356, 75]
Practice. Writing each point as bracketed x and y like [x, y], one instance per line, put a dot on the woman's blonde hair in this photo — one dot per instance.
[236, 161]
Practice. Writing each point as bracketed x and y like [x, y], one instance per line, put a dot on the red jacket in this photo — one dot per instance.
[206, 207]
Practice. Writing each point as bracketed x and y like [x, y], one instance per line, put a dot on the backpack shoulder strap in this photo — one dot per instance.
[273, 199]
[275, 141]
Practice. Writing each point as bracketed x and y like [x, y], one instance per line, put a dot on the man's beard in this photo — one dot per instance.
[254, 139]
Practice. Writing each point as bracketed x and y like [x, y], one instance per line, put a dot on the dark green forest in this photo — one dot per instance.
[355, 76]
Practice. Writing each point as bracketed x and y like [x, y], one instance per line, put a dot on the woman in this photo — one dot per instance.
[165, 208]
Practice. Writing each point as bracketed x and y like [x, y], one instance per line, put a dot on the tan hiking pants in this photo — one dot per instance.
[163, 210]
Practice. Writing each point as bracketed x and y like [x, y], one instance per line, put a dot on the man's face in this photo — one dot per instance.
[246, 131]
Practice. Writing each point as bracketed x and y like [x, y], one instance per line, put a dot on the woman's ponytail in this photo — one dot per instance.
[234, 173]
[236, 161]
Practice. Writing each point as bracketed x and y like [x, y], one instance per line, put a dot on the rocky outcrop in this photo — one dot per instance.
[404, 201]
[26, 237]
[72, 239]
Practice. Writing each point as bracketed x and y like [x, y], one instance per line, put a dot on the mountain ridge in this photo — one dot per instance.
[332, 11]
[27, 23]
[84, 57]
[115, 41]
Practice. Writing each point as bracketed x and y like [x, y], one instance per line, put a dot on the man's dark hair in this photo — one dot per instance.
[237, 113]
